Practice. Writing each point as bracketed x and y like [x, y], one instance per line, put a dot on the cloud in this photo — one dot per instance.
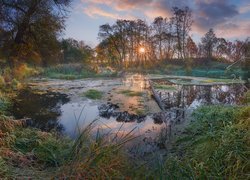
[245, 9]
[123, 5]
[237, 29]
[210, 13]
[218, 14]
[95, 12]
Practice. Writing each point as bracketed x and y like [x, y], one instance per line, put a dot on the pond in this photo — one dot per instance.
[127, 105]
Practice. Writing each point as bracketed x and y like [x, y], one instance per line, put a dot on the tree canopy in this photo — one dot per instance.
[29, 29]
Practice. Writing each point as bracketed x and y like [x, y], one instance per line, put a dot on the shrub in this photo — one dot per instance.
[23, 71]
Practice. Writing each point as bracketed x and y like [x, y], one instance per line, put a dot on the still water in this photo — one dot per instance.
[56, 110]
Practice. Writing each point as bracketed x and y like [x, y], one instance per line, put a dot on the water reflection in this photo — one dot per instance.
[42, 107]
[136, 81]
[77, 116]
[191, 96]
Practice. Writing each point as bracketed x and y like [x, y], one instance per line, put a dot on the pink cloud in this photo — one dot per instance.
[94, 12]
[239, 28]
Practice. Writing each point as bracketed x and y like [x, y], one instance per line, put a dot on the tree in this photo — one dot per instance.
[182, 22]
[160, 28]
[208, 43]
[192, 49]
[31, 27]
[75, 51]
[221, 48]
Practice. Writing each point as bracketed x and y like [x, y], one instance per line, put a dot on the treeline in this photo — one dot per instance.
[30, 32]
[132, 42]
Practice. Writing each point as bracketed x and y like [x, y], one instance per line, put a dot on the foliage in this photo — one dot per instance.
[74, 51]
[29, 30]
[23, 71]
[93, 94]
[208, 43]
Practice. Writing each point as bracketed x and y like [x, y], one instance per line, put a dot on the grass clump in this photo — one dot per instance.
[93, 94]
[131, 93]
[97, 158]
[165, 87]
[46, 147]
[216, 145]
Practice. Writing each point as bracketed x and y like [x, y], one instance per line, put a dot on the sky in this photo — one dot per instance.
[229, 18]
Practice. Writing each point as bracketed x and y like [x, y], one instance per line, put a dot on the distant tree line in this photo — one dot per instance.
[163, 39]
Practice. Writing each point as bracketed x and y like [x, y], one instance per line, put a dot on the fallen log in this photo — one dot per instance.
[157, 98]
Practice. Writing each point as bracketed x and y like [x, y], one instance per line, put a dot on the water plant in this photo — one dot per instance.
[93, 94]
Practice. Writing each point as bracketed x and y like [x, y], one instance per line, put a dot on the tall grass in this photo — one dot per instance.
[215, 146]
[85, 157]
[97, 158]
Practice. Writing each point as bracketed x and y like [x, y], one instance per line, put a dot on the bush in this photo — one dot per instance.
[23, 71]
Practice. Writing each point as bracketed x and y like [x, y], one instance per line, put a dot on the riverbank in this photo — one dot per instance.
[30, 153]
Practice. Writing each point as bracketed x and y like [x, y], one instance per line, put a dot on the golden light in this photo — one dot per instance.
[142, 50]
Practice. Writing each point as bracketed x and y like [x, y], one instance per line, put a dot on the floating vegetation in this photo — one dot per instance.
[93, 94]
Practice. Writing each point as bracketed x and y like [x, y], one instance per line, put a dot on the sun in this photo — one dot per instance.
[142, 50]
